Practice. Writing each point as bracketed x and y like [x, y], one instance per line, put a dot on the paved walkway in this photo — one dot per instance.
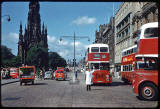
[8, 81]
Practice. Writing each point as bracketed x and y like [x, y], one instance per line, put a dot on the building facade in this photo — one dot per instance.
[147, 13]
[32, 34]
[124, 30]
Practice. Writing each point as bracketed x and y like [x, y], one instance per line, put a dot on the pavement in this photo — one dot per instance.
[8, 81]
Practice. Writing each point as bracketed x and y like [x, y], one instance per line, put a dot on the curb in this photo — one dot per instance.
[9, 82]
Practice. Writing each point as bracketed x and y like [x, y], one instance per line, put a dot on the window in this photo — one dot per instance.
[134, 50]
[131, 50]
[103, 49]
[61, 71]
[151, 32]
[94, 49]
[57, 71]
[122, 53]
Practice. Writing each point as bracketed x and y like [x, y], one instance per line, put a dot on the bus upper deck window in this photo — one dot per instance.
[94, 49]
[151, 32]
[103, 49]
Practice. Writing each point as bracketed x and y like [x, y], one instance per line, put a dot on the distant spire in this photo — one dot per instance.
[46, 30]
[43, 29]
[20, 30]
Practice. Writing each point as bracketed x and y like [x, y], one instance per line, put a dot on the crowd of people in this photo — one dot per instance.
[5, 73]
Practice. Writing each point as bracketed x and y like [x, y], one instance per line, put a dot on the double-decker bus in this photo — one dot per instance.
[98, 61]
[145, 82]
[128, 63]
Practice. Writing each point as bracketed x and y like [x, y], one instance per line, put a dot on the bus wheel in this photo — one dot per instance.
[148, 91]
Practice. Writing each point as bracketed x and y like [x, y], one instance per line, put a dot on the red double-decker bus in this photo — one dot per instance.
[145, 82]
[98, 62]
[128, 63]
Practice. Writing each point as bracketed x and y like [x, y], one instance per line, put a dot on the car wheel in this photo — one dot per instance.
[148, 91]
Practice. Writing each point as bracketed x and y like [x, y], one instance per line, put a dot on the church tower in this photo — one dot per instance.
[34, 24]
[32, 33]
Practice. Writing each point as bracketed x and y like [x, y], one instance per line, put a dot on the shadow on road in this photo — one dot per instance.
[12, 98]
[111, 84]
[36, 84]
[96, 89]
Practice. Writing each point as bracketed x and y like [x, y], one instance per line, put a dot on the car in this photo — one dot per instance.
[60, 74]
[48, 75]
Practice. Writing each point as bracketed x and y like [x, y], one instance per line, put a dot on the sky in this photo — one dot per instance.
[61, 19]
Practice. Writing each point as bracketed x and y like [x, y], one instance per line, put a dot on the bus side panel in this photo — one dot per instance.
[148, 46]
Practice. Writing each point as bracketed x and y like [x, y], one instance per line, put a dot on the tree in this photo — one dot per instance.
[16, 61]
[56, 61]
[6, 56]
[37, 56]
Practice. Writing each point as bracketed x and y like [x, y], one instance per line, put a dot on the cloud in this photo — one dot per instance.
[84, 20]
[11, 37]
[76, 43]
[51, 39]
[11, 40]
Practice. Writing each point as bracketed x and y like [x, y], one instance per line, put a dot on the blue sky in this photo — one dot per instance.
[62, 19]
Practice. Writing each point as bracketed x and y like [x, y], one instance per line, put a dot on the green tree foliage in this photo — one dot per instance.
[56, 60]
[8, 59]
[16, 61]
[36, 56]
[6, 53]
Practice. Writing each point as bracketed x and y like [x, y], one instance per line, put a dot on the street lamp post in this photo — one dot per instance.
[74, 38]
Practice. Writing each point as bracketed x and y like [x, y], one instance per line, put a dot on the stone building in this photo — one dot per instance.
[123, 29]
[147, 13]
[99, 33]
[32, 34]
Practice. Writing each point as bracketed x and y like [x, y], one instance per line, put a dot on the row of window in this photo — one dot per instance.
[127, 68]
[124, 33]
[98, 49]
[128, 52]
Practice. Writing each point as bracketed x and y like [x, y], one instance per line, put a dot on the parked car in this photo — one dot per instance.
[48, 75]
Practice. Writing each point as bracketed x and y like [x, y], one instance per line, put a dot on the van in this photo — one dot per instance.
[60, 74]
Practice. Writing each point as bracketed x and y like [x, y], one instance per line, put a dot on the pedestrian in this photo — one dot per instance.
[88, 78]
[41, 74]
[76, 74]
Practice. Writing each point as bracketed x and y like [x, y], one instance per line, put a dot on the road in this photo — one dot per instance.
[52, 93]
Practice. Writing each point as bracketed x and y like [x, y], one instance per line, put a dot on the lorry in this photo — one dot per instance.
[26, 74]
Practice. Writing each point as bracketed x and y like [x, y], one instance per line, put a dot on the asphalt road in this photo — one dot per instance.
[52, 93]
